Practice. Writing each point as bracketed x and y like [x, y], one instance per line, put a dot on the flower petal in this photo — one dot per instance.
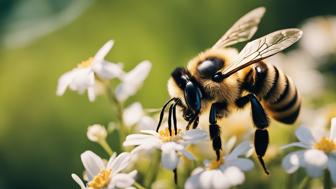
[132, 114]
[136, 76]
[206, 178]
[140, 139]
[187, 154]
[193, 182]
[64, 81]
[292, 161]
[145, 147]
[123, 91]
[93, 163]
[333, 129]
[241, 149]
[234, 175]
[132, 81]
[241, 163]
[169, 157]
[295, 144]
[315, 162]
[194, 136]
[228, 146]
[102, 52]
[147, 122]
[107, 70]
[78, 180]
[91, 93]
[222, 183]
[304, 135]
[150, 131]
[82, 79]
[122, 180]
[119, 163]
[332, 168]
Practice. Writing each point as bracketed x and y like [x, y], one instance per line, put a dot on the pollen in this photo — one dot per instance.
[101, 180]
[86, 63]
[215, 164]
[166, 137]
[326, 145]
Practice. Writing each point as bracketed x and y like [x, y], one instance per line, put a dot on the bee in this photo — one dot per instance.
[219, 81]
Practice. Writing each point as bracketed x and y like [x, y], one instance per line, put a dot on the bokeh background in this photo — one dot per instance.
[42, 135]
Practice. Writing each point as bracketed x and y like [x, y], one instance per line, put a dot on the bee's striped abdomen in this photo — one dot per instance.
[277, 91]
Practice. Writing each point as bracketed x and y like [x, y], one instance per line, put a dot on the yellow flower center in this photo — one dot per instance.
[215, 164]
[165, 135]
[101, 180]
[86, 63]
[326, 145]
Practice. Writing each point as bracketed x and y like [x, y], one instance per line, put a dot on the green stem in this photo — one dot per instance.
[154, 167]
[303, 184]
[291, 180]
[106, 147]
[119, 110]
[326, 180]
[138, 185]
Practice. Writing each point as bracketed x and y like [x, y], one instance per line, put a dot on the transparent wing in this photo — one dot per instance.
[262, 48]
[242, 30]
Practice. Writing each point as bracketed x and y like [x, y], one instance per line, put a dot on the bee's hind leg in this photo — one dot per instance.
[261, 121]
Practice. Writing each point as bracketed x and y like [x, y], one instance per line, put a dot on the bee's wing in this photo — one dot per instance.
[262, 48]
[242, 30]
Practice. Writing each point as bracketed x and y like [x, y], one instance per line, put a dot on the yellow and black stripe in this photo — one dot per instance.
[277, 91]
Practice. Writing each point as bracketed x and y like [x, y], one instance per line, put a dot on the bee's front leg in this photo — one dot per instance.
[261, 121]
[214, 130]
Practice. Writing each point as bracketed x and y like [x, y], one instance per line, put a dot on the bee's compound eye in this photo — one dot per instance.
[210, 66]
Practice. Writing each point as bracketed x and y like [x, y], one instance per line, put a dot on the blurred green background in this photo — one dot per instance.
[42, 135]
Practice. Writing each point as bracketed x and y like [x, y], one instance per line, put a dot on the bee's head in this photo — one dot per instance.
[192, 93]
[187, 95]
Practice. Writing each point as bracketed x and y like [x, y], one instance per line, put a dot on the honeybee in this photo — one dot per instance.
[220, 80]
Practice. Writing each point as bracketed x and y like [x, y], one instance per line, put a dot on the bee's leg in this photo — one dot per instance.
[196, 121]
[215, 130]
[261, 121]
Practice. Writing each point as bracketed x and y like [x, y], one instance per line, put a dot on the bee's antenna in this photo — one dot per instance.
[174, 115]
[170, 118]
[162, 113]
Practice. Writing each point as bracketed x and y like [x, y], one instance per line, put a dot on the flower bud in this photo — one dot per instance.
[96, 133]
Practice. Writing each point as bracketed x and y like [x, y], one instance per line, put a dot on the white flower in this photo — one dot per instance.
[134, 115]
[172, 147]
[318, 154]
[84, 76]
[225, 173]
[96, 133]
[319, 37]
[132, 81]
[106, 176]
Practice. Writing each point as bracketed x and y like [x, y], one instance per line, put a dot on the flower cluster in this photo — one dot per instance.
[134, 134]
[91, 73]
[105, 175]
[318, 153]
[225, 173]
[172, 146]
